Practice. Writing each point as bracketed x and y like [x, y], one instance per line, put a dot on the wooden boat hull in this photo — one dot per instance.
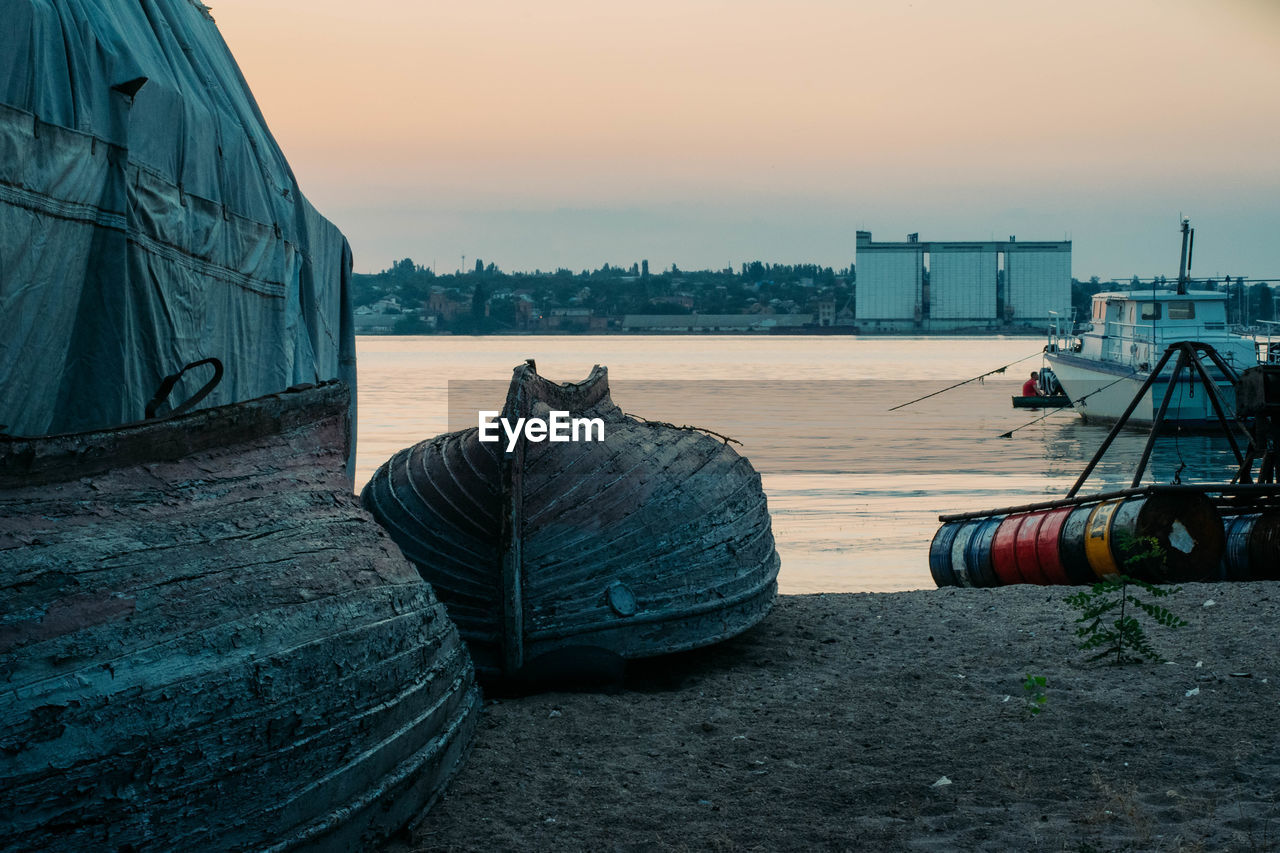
[205, 642]
[655, 540]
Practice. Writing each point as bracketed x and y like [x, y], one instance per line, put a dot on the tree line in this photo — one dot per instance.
[487, 298]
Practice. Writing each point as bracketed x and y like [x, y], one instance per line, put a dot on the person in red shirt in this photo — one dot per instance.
[1031, 388]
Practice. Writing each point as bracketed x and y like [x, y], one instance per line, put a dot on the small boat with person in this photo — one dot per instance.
[1041, 391]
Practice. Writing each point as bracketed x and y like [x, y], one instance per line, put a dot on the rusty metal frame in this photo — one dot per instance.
[1188, 353]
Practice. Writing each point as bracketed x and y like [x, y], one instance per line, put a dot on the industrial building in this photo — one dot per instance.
[936, 286]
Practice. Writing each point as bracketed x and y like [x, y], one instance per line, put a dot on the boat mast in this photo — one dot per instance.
[1184, 263]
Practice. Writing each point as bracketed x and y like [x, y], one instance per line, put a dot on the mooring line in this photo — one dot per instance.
[967, 381]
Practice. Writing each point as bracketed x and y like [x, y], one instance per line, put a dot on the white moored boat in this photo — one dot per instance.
[1104, 367]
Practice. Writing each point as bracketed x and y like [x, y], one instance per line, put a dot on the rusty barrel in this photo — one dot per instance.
[1004, 558]
[1264, 547]
[1252, 547]
[1025, 536]
[960, 553]
[1235, 561]
[1097, 540]
[1071, 550]
[1036, 547]
[1185, 527]
[1049, 545]
[972, 550]
[940, 554]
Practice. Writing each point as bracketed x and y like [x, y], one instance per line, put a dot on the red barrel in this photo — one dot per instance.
[1048, 545]
[1003, 554]
[1024, 548]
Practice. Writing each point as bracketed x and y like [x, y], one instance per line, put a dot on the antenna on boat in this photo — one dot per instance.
[1184, 262]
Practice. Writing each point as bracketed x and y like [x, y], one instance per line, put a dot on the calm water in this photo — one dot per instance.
[854, 489]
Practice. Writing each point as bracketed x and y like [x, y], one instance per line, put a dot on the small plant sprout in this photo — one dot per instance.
[1033, 696]
[1124, 639]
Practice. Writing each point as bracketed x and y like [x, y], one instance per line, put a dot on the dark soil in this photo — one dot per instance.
[891, 721]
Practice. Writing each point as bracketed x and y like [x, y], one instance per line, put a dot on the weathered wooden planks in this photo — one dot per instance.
[208, 643]
[656, 540]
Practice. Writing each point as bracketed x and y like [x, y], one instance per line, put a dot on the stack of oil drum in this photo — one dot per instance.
[1084, 542]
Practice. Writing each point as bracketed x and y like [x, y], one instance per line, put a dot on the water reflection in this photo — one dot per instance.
[855, 489]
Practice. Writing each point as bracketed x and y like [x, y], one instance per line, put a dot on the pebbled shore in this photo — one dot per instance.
[830, 724]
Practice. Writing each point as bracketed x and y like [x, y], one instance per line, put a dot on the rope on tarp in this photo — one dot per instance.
[167, 384]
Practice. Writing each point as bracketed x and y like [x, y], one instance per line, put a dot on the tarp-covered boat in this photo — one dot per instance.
[205, 642]
[655, 539]
[148, 219]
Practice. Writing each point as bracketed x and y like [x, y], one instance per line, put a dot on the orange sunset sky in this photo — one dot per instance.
[570, 133]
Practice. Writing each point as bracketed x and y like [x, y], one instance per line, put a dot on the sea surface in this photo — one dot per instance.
[855, 489]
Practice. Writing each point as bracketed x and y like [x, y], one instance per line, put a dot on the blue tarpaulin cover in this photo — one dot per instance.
[149, 223]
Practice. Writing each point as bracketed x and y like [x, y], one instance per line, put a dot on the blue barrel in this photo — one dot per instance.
[940, 554]
[977, 554]
[1253, 547]
[961, 544]
[1235, 561]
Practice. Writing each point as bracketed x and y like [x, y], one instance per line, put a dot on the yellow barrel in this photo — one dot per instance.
[1097, 539]
[1181, 531]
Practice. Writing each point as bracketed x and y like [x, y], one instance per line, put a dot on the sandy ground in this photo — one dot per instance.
[897, 721]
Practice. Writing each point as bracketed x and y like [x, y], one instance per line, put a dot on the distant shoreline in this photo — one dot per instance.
[807, 333]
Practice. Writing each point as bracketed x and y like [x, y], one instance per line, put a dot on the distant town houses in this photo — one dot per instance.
[714, 322]
[910, 286]
[411, 299]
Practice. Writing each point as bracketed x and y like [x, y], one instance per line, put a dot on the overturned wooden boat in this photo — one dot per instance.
[205, 642]
[655, 539]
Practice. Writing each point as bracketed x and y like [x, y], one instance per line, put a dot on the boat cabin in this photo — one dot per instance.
[1135, 328]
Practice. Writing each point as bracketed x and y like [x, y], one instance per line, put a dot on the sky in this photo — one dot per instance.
[709, 133]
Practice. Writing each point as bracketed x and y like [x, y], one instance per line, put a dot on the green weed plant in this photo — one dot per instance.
[1033, 695]
[1123, 639]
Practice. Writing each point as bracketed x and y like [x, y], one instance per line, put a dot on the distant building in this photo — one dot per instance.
[826, 313]
[441, 304]
[1038, 280]
[980, 284]
[890, 280]
[684, 300]
[567, 319]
